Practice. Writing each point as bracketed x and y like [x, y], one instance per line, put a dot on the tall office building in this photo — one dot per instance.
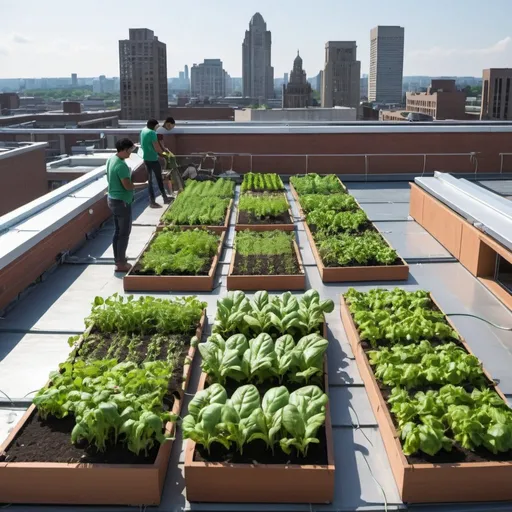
[497, 94]
[257, 70]
[143, 76]
[186, 72]
[342, 75]
[208, 79]
[74, 79]
[386, 64]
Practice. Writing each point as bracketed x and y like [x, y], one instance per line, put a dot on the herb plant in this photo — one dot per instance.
[263, 206]
[191, 210]
[255, 182]
[315, 184]
[180, 253]
[337, 202]
[287, 420]
[221, 188]
[145, 315]
[258, 253]
[120, 403]
[332, 222]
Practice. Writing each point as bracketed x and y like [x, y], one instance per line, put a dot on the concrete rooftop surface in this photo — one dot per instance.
[33, 341]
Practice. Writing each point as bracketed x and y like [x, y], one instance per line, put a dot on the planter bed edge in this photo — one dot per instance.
[267, 227]
[267, 282]
[261, 483]
[141, 283]
[216, 229]
[428, 483]
[91, 484]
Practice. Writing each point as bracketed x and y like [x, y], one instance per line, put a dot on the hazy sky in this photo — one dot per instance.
[442, 37]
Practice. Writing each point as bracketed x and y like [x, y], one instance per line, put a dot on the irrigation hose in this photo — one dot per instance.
[501, 327]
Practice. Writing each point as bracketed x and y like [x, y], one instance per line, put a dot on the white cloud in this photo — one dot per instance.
[4, 50]
[18, 38]
[459, 61]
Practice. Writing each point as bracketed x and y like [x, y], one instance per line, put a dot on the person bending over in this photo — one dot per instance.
[151, 150]
[120, 198]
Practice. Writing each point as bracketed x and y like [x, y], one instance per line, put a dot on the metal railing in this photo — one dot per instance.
[473, 157]
[502, 158]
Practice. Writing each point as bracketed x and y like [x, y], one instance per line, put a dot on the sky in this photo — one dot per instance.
[44, 38]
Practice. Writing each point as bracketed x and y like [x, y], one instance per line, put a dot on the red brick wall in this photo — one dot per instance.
[23, 271]
[22, 179]
[489, 145]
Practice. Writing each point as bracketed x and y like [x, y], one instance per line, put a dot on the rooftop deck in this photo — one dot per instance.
[33, 340]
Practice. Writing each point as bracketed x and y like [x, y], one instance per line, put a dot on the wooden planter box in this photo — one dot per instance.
[141, 283]
[90, 484]
[266, 227]
[266, 282]
[260, 483]
[215, 229]
[368, 273]
[428, 483]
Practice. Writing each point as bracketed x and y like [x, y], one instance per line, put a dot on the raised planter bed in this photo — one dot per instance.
[297, 200]
[163, 283]
[284, 223]
[261, 483]
[428, 483]
[215, 229]
[363, 273]
[133, 484]
[266, 282]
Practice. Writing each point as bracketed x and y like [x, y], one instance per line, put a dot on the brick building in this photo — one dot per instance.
[496, 92]
[441, 101]
[297, 93]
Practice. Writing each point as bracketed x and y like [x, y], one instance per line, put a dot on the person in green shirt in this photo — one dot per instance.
[151, 150]
[120, 198]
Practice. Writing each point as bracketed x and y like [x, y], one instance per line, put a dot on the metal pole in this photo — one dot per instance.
[307, 164]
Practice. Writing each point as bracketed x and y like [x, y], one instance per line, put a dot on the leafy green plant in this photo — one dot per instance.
[260, 359]
[263, 206]
[315, 184]
[257, 182]
[220, 188]
[332, 222]
[361, 250]
[191, 210]
[290, 420]
[120, 403]
[180, 252]
[339, 202]
[145, 315]
[476, 419]
[274, 315]
[414, 366]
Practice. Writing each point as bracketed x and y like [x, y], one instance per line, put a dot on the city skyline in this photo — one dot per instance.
[28, 49]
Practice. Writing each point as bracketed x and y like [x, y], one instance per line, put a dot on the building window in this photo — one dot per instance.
[503, 273]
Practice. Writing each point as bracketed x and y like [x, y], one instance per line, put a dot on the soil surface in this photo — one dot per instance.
[257, 453]
[249, 218]
[263, 265]
[50, 440]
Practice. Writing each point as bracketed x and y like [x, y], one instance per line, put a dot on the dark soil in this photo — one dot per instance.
[49, 440]
[249, 218]
[263, 265]
[257, 453]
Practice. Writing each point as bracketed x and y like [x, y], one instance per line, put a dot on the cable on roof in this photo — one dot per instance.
[501, 327]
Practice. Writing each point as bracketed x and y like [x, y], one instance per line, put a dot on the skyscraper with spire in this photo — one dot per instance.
[297, 93]
[257, 70]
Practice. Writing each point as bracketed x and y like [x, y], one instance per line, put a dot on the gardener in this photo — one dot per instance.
[120, 197]
[151, 150]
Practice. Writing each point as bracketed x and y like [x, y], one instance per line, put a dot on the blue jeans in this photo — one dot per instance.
[122, 213]
[156, 169]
